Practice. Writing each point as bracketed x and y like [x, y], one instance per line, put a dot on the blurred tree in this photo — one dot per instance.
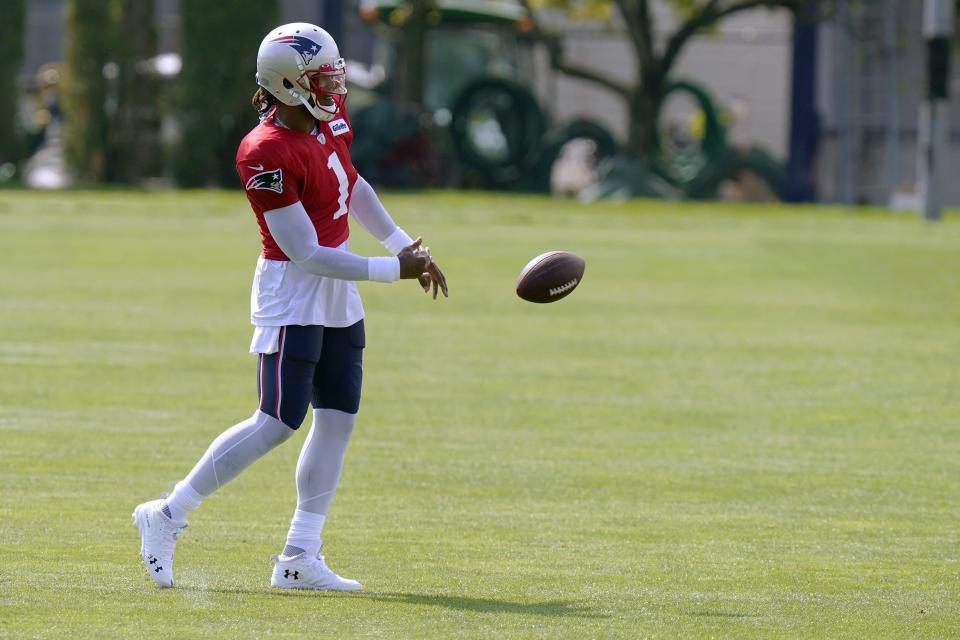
[655, 59]
[85, 88]
[11, 55]
[218, 42]
[134, 151]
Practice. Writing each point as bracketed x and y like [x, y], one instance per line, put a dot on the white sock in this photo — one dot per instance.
[304, 532]
[182, 501]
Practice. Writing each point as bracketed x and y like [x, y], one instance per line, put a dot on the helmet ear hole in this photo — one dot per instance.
[287, 84]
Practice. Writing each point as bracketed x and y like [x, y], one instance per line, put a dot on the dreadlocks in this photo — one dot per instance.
[263, 101]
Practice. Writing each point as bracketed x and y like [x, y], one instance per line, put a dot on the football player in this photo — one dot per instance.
[308, 319]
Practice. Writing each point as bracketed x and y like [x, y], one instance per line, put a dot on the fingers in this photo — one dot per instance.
[439, 279]
[430, 274]
[435, 281]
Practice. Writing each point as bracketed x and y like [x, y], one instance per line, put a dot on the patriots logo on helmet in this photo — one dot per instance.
[269, 180]
[306, 47]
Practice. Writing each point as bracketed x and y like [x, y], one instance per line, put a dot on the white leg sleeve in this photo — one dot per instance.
[318, 472]
[234, 450]
[321, 459]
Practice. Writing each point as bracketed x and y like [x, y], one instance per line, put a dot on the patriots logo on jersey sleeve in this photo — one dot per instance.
[269, 180]
[306, 47]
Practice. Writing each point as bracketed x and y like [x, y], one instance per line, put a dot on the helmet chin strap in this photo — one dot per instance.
[317, 112]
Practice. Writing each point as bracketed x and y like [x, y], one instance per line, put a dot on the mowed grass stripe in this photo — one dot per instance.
[743, 424]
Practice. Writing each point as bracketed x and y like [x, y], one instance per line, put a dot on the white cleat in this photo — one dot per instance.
[306, 572]
[158, 537]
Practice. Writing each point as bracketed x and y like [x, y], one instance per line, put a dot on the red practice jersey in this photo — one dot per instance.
[279, 166]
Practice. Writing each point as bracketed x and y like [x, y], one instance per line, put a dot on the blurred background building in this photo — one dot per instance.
[867, 59]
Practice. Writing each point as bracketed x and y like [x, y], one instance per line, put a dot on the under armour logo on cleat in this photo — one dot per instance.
[287, 573]
[158, 569]
[153, 561]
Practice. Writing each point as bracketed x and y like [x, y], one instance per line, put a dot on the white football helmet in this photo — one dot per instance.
[299, 63]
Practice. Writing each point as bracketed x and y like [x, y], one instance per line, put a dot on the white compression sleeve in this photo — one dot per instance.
[318, 473]
[230, 453]
[293, 232]
[366, 208]
[321, 459]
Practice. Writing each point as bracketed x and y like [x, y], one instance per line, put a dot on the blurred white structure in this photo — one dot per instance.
[870, 105]
[871, 83]
[745, 65]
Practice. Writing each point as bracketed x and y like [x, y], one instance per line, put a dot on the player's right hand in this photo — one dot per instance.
[414, 260]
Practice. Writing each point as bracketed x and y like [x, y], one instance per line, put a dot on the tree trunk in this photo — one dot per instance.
[644, 105]
[412, 53]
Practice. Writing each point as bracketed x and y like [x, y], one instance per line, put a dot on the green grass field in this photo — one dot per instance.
[744, 424]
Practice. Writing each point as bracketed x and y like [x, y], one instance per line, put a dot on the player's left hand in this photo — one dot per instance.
[437, 279]
[433, 276]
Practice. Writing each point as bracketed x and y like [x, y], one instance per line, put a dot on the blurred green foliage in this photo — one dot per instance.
[218, 43]
[89, 42]
[579, 9]
[134, 104]
[11, 53]
[114, 100]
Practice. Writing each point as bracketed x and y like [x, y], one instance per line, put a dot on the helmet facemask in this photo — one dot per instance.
[325, 89]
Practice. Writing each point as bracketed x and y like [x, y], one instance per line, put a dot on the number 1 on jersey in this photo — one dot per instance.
[333, 163]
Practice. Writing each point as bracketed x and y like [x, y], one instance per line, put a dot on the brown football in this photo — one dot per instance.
[550, 276]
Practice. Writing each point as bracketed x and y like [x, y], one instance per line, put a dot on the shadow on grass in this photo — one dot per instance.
[569, 608]
[558, 608]
[718, 614]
